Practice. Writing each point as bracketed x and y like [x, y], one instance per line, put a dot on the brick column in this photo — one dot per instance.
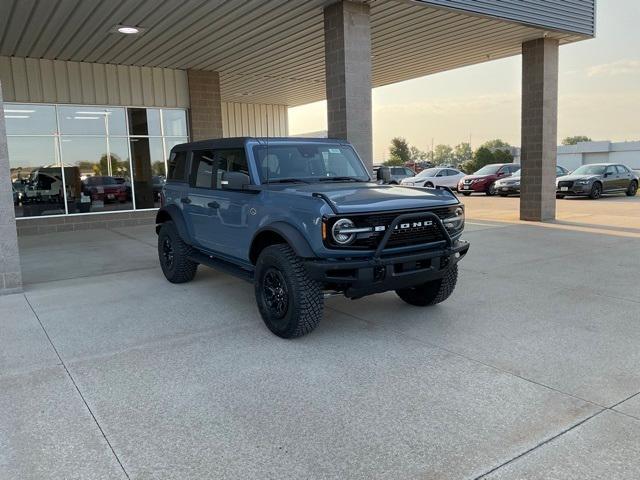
[347, 46]
[539, 129]
[206, 106]
[10, 271]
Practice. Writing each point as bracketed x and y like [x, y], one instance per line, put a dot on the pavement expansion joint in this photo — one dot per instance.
[77, 389]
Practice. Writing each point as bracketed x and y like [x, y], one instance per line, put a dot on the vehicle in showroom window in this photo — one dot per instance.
[435, 177]
[511, 185]
[483, 181]
[597, 179]
[301, 219]
[392, 175]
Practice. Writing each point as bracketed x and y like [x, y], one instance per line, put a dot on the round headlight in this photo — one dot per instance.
[456, 221]
[339, 235]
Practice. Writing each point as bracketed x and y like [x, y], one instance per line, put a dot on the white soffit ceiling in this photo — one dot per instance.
[266, 51]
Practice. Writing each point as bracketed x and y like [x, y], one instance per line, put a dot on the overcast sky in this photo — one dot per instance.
[599, 94]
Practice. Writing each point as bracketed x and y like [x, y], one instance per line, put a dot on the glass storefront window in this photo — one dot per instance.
[113, 158]
[175, 123]
[169, 143]
[36, 177]
[30, 119]
[95, 186]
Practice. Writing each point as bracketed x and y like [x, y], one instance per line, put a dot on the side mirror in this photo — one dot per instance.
[234, 180]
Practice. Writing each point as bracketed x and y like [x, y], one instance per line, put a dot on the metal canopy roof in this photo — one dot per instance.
[266, 51]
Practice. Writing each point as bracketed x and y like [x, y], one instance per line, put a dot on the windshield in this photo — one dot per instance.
[488, 170]
[590, 170]
[429, 172]
[308, 162]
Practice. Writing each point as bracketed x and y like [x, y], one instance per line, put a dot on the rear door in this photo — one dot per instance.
[625, 176]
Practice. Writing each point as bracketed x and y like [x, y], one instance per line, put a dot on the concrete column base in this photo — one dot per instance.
[539, 129]
[205, 109]
[347, 45]
[10, 270]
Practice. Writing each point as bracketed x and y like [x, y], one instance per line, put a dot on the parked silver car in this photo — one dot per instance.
[392, 175]
[511, 185]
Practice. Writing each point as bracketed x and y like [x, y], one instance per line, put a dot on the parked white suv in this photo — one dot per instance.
[435, 177]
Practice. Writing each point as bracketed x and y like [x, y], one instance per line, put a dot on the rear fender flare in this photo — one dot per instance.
[174, 214]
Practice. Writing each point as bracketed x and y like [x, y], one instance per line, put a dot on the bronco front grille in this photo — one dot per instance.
[415, 231]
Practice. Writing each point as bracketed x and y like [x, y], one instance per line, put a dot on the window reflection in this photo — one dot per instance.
[36, 176]
[112, 157]
[101, 177]
[175, 123]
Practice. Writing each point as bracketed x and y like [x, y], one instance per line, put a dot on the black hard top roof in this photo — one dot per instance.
[240, 142]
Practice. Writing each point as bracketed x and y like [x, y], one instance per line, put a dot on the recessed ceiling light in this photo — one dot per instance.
[128, 29]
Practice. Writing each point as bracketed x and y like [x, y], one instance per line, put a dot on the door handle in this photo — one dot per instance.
[185, 200]
[213, 205]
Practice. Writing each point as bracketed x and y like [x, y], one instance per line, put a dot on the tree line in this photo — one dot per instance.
[461, 156]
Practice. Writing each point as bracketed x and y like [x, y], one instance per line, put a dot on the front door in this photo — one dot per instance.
[220, 217]
[610, 180]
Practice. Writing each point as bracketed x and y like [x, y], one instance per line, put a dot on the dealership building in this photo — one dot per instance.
[96, 93]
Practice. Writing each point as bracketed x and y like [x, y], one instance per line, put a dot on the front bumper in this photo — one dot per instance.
[575, 190]
[508, 189]
[357, 278]
[472, 187]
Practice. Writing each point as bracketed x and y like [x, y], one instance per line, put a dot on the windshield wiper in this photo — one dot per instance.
[340, 179]
[287, 180]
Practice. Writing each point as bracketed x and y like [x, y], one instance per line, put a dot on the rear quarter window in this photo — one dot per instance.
[177, 171]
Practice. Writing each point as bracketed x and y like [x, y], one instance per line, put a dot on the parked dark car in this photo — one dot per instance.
[511, 185]
[301, 218]
[483, 181]
[595, 179]
[105, 189]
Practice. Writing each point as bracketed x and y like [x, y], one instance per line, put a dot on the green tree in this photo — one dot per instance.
[496, 144]
[399, 152]
[483, 156]
[575, 139]
[417, 155]
[462, 153]
[442, 155]
[502, 156]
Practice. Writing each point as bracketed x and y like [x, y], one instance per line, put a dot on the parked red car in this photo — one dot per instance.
[484, 179]
[105, 189]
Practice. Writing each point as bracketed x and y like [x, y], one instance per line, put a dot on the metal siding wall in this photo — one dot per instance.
[575, 16]
[32, 80]
[251, 119]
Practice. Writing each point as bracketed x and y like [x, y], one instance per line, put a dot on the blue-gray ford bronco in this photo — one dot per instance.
[302, 219]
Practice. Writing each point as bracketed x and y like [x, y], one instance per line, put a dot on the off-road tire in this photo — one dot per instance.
[632, 190]
[181, 269]
[596, 191]
[305, 300]
[433, 292]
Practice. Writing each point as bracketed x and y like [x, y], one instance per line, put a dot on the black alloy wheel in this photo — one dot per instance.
[596, 191]
[275, 293]
[633, 189]
[168, 252]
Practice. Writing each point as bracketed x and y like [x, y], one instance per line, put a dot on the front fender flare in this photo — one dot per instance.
[292, 235]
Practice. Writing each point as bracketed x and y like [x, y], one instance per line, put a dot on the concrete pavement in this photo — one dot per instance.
[530, 370]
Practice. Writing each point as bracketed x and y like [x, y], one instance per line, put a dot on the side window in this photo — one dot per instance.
[450, 173]
[177, 167]
[514, 168]
[611, 170]
[622, 169]
[409, 172]
[231, 160]
[504, 171]
[202, 168]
